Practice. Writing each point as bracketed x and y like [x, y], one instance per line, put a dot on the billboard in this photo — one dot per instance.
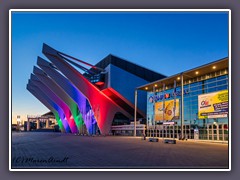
[170, 112]
[213, 105]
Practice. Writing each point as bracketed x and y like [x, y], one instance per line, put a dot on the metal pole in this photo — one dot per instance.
[173, 131]
[135, 114]
[163, 110]
[163, 100]
[182, 108]
[154, 120]
[223, 134]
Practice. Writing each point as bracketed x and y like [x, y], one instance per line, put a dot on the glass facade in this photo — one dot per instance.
[194, 128]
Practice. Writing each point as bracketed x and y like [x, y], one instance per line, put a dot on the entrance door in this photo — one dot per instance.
[217, 132]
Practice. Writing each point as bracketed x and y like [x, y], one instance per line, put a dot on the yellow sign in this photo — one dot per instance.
[170, 112]
[213, 105]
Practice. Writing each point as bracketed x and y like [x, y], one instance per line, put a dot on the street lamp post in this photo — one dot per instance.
[135, 115]
[154, 129]
[182, 108]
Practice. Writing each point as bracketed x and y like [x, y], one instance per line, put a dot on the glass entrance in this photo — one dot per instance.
[217, 131]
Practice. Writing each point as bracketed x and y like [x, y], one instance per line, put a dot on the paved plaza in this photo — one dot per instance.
[59, 150]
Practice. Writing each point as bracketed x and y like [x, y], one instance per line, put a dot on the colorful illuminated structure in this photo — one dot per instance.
[52, 106]
[86, 97]
[74, 94]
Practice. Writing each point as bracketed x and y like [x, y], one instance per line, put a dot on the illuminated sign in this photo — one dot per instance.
[170, 112]
[169, 123]
[213, 105]
[167, 96]
[160, 97]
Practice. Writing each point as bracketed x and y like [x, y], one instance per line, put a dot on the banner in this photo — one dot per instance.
[213, 105]
[169, 113]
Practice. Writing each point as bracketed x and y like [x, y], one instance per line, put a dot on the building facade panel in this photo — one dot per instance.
[120, 78]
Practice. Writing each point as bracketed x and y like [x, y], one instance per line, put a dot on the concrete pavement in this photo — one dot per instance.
[58, 150]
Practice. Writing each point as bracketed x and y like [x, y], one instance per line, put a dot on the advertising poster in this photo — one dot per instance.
[213, 105]
[169, 113]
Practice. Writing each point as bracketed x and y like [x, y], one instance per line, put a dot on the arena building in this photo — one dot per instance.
[119, 97]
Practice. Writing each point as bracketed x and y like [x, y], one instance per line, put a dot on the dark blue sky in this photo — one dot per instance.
[166, 42]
